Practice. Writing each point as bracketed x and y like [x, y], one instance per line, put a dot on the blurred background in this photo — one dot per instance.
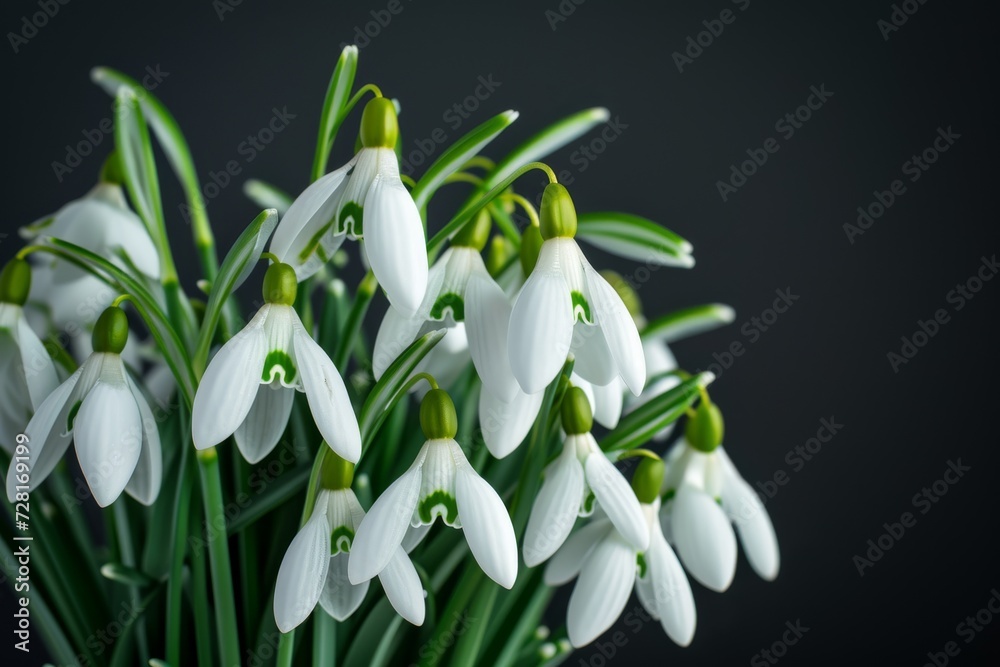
[868, 86]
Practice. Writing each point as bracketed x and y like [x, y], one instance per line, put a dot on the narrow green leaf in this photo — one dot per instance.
[689, 322]
[634, 238]
[276, 493]
[374, 642]
[123, 574]
[265, 195]
[393, 383]
[337, 95]
[239, 263]
[636, 428]
[139, 167]
[480, 616]
[458, 154]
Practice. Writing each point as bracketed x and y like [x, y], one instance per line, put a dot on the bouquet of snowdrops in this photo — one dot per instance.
[458, 463]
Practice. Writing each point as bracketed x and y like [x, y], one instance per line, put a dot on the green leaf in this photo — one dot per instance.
[689, 322]
[239, 262]
[458, 154]
[638, 427]
[123, 574]
[546, 142]
[634, 238]
[337, 95]
[377, 638]
[266, 195]
[138, 165]
[393, 384]
[480, 616]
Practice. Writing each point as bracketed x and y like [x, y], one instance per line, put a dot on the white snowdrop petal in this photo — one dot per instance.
[555, 510]
[130, 236]
[39, 369]
[601, 591]
[619, 330]
[303, 572]
[229, 386]
[541, 330]
[403, 588]
[147, 477]
[568, 560]
[108, 436]
[505, 425]
[340, 598]
[414, 536]
[395, 242]
[328, 400]
[753, 524]
[265, 423]
[617, 499]
[594, 361]
[395, 334]
[704, 538]
[608, 400]
[487, 316]
[487, 526]
[383, 528]
[669, 590]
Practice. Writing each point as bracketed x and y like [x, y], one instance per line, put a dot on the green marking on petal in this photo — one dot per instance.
[581, 309]
[588, 504]
[439, 503]
[449, 301]
[315, 244]
[640, 561]
[278, 363]
[72, 415]
[356, 214]
[341, 540]
[669, 495]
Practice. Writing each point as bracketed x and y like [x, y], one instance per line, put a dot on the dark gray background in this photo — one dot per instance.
[825, 357]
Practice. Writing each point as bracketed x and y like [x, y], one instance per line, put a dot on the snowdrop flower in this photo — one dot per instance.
[101, 409]
[581, 475]
[27, 374]
[439, 484]
[460, 292]
[314, 568]
[566, 306]
[101, 222]
[609, 566]
[700, 477]
[249, 386]
[364, 199]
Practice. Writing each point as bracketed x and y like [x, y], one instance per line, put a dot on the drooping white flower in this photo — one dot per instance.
[364, 199]
[27, 373]
[314, 569]
[101, 222]
[608, 567]
[573, 482]
[566, 307]
[700, 477]
[102, 410]
[441, 483]
[248, 388]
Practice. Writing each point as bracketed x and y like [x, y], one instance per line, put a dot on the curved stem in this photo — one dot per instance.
[526, 205]
[481, 162]
[417, 378]
[121, 299]
[270, 256]
[463, 177]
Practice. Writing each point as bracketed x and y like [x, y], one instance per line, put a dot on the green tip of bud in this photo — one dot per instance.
[475, 233]
[648, 479]
[111, 170]
[625, 292]
[15, 282]
[280, 284]
[577, 417]
[500, 252]
[705, 429]
[437, 415]
[111, 331]
[531, 245]
[337, 473]
[558, 215]
[379, 125]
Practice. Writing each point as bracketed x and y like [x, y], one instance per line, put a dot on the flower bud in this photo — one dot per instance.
[705, 429]
[557, 217]
[500, 252]
[577, 417]
[648, 479]
[15, 282]
[337, 473]
[437, 415]
[474, 233]
[531, 245]
[111, 331]
[379, 125]
[280, 284]
[111, 170]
